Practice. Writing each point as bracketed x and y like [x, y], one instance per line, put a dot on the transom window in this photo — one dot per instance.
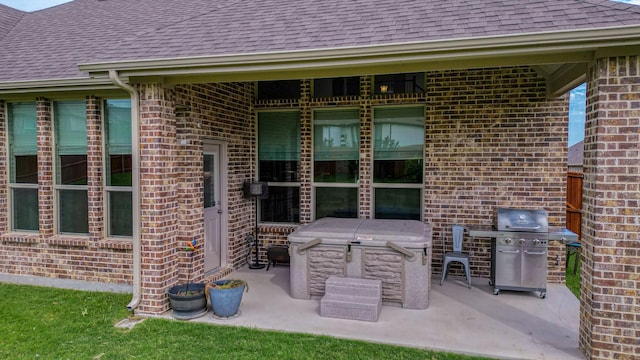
[23, 165]
[280, 89]
[407, 83]
[342, 86]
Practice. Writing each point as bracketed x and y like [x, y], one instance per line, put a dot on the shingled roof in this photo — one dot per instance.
[49, 44]
[9, 17]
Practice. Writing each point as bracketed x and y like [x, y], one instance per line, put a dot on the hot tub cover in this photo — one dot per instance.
[369, 232]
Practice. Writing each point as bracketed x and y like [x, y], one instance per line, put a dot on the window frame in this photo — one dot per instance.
[13, 185]
[106, 165]
[283, 184]
[320, 184]
[57, 187]
[396, 185]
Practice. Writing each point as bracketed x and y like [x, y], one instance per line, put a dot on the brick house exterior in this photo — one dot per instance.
[495, 136]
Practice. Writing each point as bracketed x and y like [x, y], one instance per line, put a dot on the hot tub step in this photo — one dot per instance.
[353, 286]
[352, 298]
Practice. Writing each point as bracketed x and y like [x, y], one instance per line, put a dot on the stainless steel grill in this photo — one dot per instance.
[519, 254]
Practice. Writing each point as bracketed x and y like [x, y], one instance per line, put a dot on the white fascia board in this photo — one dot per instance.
[56, 85]
[534, 44]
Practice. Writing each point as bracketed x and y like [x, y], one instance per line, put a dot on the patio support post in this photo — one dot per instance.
[158, 196]
[610, 260]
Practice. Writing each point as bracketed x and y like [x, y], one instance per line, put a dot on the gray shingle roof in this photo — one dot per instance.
[9, 17]
[575, 155]
[49, 44]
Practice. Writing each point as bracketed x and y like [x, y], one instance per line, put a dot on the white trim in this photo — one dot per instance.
[556, 42]
[318, 184]
[56, 85]
[223, 167]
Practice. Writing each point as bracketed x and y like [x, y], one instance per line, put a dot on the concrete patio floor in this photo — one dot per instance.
[512, 325]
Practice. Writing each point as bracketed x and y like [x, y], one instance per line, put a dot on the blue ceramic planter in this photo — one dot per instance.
[225, 302]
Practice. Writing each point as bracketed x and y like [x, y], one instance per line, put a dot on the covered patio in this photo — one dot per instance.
[516, 325]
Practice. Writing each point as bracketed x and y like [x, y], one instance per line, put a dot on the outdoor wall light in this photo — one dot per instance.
[384, 88]
[256, 190]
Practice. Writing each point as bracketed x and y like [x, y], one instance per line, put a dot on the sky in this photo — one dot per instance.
[577, 95]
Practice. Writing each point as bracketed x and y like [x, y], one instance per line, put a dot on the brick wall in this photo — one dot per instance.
[610, 311]
[492, 139]
[45, 254]
[220, 112]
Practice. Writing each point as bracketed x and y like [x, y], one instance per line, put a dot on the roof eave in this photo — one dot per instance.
[548, 46]
[48, 86]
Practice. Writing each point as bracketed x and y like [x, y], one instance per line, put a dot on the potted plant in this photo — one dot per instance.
[188, 301]
[225, 297]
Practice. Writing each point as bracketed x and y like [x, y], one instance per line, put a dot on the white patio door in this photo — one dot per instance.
[212, 207]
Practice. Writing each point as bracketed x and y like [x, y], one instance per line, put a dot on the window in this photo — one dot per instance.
[343, 86]
[23, 165]
[70, 128]
[399, 83]
[279, 165]
[282, 89]
[336, 143]
[118, 167]
[398, 162]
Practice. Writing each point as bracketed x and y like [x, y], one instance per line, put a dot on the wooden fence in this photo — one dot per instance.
[574, 202]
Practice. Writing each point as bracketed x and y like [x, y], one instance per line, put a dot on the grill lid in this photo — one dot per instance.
[521, 220]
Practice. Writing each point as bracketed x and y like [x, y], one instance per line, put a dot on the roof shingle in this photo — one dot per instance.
[49, 44]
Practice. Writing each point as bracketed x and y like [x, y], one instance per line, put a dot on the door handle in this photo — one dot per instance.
[535, 253]
[509, 251]
[219, 211]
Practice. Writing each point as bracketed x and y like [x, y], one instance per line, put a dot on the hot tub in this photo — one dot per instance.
[397, 252]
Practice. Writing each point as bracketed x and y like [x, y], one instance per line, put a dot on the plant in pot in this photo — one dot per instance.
[188, 301]
[225, 297]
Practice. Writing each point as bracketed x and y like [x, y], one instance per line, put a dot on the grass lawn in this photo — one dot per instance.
[573, 281]
[48, 323]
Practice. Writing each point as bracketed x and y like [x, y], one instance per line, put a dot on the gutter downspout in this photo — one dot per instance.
[135, 194]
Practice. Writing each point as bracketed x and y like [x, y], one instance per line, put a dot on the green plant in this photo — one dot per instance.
[228, 284]
[573, 280]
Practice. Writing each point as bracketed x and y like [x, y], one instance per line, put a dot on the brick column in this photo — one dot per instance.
[366, 149]
[158, 199]
[609, 297]
[95, 186]
[306, 152]
[4, 164]
[45, 167]
[189, 195]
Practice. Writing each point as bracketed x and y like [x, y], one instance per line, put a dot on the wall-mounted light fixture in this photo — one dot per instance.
[384, 88]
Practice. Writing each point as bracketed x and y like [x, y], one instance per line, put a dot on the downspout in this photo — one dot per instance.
[135, 194]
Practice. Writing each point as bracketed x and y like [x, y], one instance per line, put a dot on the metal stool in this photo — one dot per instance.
[456, 255]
